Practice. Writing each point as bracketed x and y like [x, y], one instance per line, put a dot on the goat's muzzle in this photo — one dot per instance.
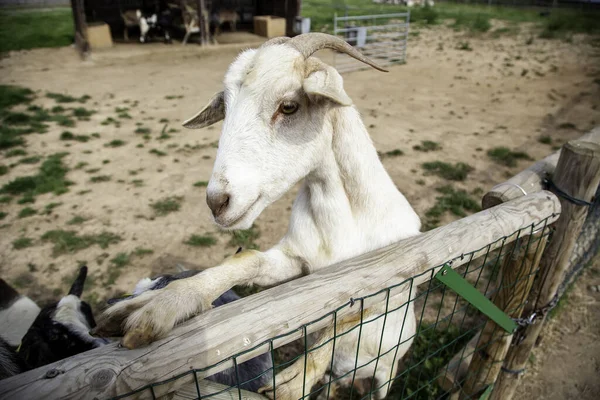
[217, 202]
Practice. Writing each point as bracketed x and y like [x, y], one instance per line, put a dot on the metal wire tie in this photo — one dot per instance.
[578, 202]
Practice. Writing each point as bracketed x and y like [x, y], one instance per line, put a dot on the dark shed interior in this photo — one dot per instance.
[109, 11]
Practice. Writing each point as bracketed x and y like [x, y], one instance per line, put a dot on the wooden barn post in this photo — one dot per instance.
[81, 42]
[577, 176]
[517, 274]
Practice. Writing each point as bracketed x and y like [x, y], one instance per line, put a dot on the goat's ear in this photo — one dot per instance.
[213, 112]
[327, 83]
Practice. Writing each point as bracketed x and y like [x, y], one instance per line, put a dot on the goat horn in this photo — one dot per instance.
[276, 40]
[309, 43]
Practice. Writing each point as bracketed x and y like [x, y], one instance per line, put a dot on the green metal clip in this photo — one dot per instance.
[487, 392]
[454, 281]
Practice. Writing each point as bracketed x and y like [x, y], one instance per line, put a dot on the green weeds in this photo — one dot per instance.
[457, 172]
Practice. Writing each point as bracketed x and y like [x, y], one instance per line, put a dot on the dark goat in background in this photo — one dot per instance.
[59, 331]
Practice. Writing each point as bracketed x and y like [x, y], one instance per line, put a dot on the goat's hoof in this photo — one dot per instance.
[138, 337]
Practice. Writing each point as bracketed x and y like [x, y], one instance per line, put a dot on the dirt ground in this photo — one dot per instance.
[566, 364]
[506, 91]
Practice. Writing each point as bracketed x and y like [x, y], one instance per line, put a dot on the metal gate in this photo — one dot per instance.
[381, 37]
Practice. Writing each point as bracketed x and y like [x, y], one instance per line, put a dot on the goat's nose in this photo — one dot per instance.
[217, 202]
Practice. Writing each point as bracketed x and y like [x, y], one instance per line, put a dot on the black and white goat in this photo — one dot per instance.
[249, 371]
[61, 329]
[153, 24]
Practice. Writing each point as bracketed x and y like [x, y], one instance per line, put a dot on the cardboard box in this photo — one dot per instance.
[98, 35]
[269, 26]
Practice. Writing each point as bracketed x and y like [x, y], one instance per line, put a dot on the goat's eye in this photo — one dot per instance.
[289, 107]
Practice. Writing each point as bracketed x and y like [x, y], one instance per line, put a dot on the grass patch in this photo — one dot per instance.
[140, 252]
[245, 238]
[457, 172]
[120, 260]
[66, 135]
[3, 215]
[15, 153]
[111, 120]
[49, 207]
[394, 153]
[166, 205]
[567, 125]
[22, 243]
[137, 182]
[157, 152]
[30, 160]
[26, 212]
[100, 178]
[545, 139]
[115, 143]
[465, 46]
[142, 131]
[201, 184]
[457, 202]
[70, 242]
[4, 169]
[77, 220]
[5, 199]
[201, 240]
[427, 145]
[507, 157]
[65, 98]
[50, 178]
[27, 198]
[83, 113]
[476, 23]
[29, 29]
[560, 24]
[11, 95]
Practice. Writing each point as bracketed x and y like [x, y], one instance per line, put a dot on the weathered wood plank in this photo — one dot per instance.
[238, 326]
[530, 180]
[578, 175]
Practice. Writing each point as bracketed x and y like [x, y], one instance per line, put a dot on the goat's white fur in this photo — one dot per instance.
[16, 319]
[347, 206]
[68, 313]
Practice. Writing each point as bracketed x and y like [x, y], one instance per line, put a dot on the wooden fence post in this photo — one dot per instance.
[577, 174]
[517, 276]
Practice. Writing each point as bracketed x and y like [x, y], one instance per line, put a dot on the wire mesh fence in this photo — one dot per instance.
[381, 37]
[402, 347]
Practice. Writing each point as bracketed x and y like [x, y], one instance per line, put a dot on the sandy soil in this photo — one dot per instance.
[504, 92]
[566, 364]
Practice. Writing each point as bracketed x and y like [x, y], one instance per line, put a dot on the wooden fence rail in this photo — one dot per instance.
[225, 331]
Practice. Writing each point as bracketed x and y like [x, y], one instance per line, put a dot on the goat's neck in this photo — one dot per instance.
[350, 191]
[350, 172]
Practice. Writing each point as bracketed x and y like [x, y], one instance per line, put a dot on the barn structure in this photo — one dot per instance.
[115, 13]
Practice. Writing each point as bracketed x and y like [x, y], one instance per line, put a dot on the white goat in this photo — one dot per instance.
[287, 117]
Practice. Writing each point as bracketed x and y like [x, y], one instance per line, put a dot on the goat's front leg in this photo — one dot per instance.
[153, 314]
[296, 381]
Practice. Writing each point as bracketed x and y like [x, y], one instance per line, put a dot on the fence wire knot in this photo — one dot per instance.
[578, 202]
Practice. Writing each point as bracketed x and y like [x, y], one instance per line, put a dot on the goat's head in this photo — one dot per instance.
[274, 108]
